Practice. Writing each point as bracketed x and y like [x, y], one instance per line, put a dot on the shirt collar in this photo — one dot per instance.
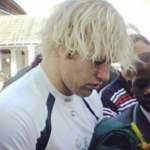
[147, 114]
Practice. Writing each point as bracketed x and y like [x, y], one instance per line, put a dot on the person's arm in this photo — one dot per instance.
[113, 134]
[144, 148]
[109, 108]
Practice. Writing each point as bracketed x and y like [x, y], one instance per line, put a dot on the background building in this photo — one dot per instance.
[18, 38]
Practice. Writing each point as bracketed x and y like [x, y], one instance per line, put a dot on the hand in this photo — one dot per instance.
[144, 148]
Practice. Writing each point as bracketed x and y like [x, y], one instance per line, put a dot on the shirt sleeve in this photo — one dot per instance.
[17, 131]
[109, 108]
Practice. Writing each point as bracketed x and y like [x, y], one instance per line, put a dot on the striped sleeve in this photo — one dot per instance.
[109, 108]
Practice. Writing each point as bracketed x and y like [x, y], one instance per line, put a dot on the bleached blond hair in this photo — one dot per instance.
[92, 28]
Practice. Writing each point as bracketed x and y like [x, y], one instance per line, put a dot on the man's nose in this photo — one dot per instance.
[147, 90]
[103, 72]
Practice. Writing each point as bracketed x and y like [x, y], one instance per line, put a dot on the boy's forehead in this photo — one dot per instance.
[144, 60]
[142, 70]
[141, 47]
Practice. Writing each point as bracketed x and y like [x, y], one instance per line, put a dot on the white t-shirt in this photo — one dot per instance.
[28, 103]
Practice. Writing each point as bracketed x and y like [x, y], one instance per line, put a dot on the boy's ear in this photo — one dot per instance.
[130, 85]
[128, 74]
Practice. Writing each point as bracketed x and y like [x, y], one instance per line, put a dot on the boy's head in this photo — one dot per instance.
[140, 80]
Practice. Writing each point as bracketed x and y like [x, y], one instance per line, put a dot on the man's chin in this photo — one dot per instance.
[85, 93]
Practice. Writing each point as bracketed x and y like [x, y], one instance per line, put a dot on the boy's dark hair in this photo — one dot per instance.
[139, 37]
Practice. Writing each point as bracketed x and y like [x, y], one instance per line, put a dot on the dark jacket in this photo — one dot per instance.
[104, 131]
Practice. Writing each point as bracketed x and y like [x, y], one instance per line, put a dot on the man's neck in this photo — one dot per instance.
[51, 68]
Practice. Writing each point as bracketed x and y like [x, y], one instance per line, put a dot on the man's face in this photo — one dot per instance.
[141, 85]
[82, 76]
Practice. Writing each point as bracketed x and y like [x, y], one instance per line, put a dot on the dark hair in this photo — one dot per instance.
[139, 37]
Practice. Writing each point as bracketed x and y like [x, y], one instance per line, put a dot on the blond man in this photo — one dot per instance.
[55, 106]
